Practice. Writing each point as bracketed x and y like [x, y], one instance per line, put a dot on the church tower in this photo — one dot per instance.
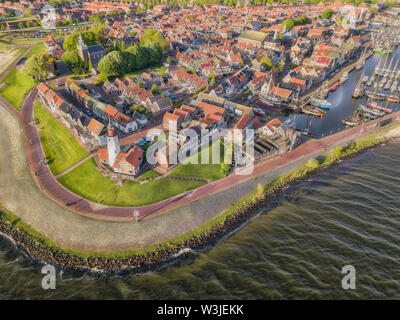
[82, 49]
[113, 147]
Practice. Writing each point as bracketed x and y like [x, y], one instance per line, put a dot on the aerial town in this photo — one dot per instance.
[110, 72]
[103, 81]
[135, 132]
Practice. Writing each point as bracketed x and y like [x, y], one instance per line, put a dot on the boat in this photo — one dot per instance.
[269, 101]
[259, 112]
[393, 99]
[307, 133]
[344, 77]
[358, 90]
[335, 86]
[312, 110]
[375, 106]
[372, 111]
[350, 122]
[320, 103]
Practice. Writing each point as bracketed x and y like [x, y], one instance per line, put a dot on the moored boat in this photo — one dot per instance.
[320, 103]
[375, 106]
[335, 86]
[259, 112]
[344, 77]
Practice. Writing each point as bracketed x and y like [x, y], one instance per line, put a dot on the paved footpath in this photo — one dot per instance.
[63, 196]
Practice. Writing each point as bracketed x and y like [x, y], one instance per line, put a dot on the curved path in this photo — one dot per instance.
[21, 155]
[63, 196]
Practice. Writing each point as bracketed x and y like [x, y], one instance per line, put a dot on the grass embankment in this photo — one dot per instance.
[60, 147]
[18, 84]
[149, 174]
[210, 172]
[240, 209]
[37, 49]
[89, 183]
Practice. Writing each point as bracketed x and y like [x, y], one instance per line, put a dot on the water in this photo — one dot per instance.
[346, 214]
[343, 105]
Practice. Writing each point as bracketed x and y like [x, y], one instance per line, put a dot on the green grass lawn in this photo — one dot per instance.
[18, 85]
[14, 19]
[157, 68]
[211, 172]
[148, 175]
[89, 183]
[37, 49]
[60, 147]
[27, 41]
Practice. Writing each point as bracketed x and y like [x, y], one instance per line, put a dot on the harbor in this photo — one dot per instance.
[343, 107]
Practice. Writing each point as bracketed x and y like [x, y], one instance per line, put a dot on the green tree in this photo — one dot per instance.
[21, 25]
[267, 62]
[327, 14]
[140, 55]
[112, 64]
[36, 66]
[155, 52]
[28, 12]
[152, 35]
[155, 89]
[287, 24]
[71, 59]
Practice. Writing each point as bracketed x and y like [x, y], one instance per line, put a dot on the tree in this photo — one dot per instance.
[21, 25]
[36, 66]
[91, 37]
[267, 62]
[211, 77]
[112, 64]
[28, 12]
[154, 52]
[281, 65]
[71, 59]
[137, 108]
[102, 78]
[287, 24]
[152, 35]
[327, 14]
[140, 56]
[169, 60]
[155, 89]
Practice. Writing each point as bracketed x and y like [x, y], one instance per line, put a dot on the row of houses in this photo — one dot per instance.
[104, 112]
[90, 131]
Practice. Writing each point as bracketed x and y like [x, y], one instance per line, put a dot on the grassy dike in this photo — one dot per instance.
[42, 248]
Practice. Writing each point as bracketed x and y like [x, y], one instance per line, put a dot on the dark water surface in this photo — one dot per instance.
[296, 248]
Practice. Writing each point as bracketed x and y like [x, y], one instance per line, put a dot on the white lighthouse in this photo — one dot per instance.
[113, 147]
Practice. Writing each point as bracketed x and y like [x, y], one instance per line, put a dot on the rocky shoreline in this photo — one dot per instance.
[42, 254]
